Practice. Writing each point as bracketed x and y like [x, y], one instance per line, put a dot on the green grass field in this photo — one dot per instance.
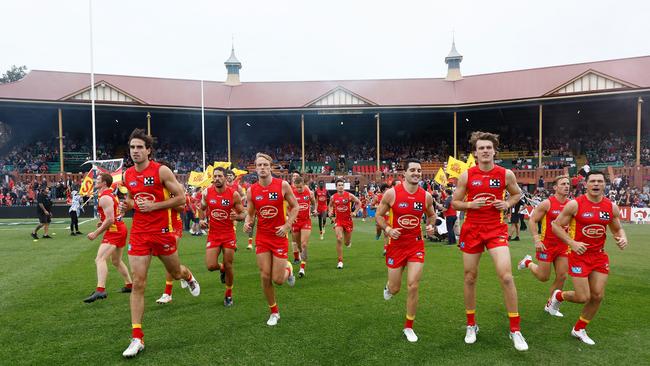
[329, 317]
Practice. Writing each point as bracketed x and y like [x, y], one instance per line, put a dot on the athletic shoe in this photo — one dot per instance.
[273, 319]
[222, 276]
[519, 341]
[516, 239]
[249, 247]
[301, 273]
[582, 335]
[47, 237]
[470, 334]
[227, 301]
[73, 234]
[387, 294]
[363, 220]
[377, 237]
[183, 283]
[134, 348]
[553, 306]
[96, 295]
[339, 265]
[522, 263]
[291, 280]
[34, 235]
[321, 236]
[347, 245]
[547, 309]
[296, 261]
[126, 290]
[194, 287]
[79, 233]
[164, 299]
[410, 335]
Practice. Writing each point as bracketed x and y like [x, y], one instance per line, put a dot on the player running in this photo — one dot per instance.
[550, 249]
[266, 202]
[587, 217]
[407, 203]
[301, 229]
[340, 207]
[112, 245]
[321, 197]
[153, 192]
[224, 206]
[481, 193]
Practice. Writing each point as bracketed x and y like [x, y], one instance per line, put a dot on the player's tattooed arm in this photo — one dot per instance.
[617, 229]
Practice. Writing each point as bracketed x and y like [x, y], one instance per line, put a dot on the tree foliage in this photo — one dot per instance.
[14, 74]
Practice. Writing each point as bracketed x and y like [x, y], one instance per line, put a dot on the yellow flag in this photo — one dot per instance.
[470, 161]
[455, 167]
[197, 179]
[239, 172]
[222, 164]
[86, 188]
[441, 178]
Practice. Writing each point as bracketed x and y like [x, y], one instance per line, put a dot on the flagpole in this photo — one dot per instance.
[203, 124]
[92, 77]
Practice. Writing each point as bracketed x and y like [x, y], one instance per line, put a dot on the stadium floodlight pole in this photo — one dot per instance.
[203, 124]
[92, 78]
[639, 101]
[378, 162]
[302, 139]
[539, 152]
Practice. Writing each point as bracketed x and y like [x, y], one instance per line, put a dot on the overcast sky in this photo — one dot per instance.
[317, 40]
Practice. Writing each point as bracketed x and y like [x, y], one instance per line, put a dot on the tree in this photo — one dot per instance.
[14, 74]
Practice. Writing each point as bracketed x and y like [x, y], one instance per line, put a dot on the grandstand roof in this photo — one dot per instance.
[54, 86]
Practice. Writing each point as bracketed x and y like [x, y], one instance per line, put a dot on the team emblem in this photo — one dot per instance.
[268, 212]
[225, 202]
[148, 181]
[593, 231]
[495, 183]
[273, 196]
[219, 214]
[603, 215]
[417, 206]
[408, 221]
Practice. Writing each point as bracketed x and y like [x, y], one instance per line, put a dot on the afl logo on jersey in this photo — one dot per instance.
[268, 212]
[489, 197]
[213, 202]
[587, 215]
[259, 198]
[133, 183]
[219, 214]
[408, 222]
[594, 231]
[144, 197]
[477, 183]
[403, 205]
[556, 212]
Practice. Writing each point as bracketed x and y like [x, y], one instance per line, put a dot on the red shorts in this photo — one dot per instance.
[583, 265]
[322, 209]
[397, 256]
[155, 244]
[225, 242]
[475, 238]
[347, 226]
[178, 232]
[278, 246]
[553, 251]
[117, 238]
[304, 225]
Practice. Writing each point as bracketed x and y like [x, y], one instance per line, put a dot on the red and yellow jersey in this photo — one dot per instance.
[342, 206]
[304, 204]
[547, 236]
[116, 211]
[321, 198]
[269, 207]
[490, 185]
[219, 207]
[146, 186]
[406, 214]
[589, 225]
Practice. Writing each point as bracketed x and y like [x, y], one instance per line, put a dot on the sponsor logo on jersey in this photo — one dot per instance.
[273, 196]
[576, 269]
[594, 231]
[225, 202]
[543, 255]
[219, 214]
[495, 183]
[603, 215]
[268, 212]
[391, 261]
[408, 221]
[417, 206]
[148, 181]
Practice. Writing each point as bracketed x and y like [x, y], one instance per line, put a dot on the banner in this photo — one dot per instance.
[640, 215]
[197, 179]
[239, 172]
[470, 161]
[222, 164]
[455, 167]
[441, 178]
[113, 167]
[87, 184]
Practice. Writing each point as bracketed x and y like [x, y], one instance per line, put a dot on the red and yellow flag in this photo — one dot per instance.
[87, 184]
[455, 167]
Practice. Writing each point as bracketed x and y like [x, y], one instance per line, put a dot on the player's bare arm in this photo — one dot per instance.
[238, 213]
[204, 205]
[106, 203]
[617, 229]
[250, 214]
[293, 209]
[458, 198]
[312, 199]
[386, 202]
[515, 193]
[563, 220]
[538, 214]
[431, 214]
[357, 205]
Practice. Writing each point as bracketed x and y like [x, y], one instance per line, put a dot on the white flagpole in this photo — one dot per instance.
[92, 78]
[203, 124]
